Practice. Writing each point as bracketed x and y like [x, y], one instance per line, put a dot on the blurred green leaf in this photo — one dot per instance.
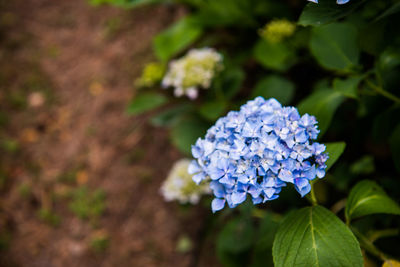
[334, 150]
[265, 237]
[314, 236]
[176, 38]
[185, 133]
[393, 9]
[236, 236]
[367, 198]
[275, 56]
[323, 105]
[145, 102]
[226, 12]
[212, 110]
[348, 87]
[325, 11]
[364, 165]
[335, 46]
[394, 142]
[230, 82]
[170, 116]
[275, 86]
[389, 59]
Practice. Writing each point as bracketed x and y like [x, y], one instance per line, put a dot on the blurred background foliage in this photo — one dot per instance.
[340, 63]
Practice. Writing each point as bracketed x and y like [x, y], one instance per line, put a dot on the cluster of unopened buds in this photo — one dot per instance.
[277, 30]
[193, 71]
[180, 186]
[256, 151]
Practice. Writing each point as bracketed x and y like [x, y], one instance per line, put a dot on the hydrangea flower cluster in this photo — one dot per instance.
[193, 71]
[256, 151]
[180, 186]
[339, 2]
[277, 30]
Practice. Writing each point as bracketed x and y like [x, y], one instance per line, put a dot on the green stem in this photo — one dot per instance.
[383, 92]
[368, 245]
[383, 233]
[312, 197]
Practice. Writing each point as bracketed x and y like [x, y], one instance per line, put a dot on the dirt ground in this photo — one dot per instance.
[67, 74]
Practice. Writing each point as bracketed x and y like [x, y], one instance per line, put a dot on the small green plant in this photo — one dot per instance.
[99, 242]
[86, 204]
[48, 216]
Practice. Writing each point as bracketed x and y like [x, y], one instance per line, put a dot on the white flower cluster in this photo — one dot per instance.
[180, 186]
[193, 71]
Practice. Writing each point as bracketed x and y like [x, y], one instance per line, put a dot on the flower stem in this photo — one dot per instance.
[312, 197]
[368, 245]
[383, 92]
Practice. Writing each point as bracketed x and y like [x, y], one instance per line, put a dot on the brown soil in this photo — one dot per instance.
[84, 60]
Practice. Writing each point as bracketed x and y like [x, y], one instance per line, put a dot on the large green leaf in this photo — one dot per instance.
[366, 198]
[276, 56]
[325, 11]
[348, 87]
[395, 146]
[334, 150]
[323, 105]
[176, 38]
[145, 102]
[335, 46]
[314, 236]
[275, 86]
[185, 133]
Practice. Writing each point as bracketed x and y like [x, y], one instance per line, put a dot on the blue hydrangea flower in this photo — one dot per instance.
[339, 2]
[256, 151]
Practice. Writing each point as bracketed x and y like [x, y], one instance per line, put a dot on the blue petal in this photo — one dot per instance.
[217, 204]
[197, 178]
[238, 197]
[341, 2]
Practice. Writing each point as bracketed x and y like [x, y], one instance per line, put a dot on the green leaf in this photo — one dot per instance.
[325, 11]
[212, 110]
[366, 198]
[236, 236]
[275, 86]
[176, 38]
[274, 56]
[314, 236]
[230, 82]
[335, 46]
[263, 246]
[364, 165]
[323, 105]
[394, 142]
[395, 8]
[185, 133]
[145, 102]
[171, 115]
[334, 150]
[348, 87]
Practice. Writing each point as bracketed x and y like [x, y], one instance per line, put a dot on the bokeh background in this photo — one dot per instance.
[80, 179]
